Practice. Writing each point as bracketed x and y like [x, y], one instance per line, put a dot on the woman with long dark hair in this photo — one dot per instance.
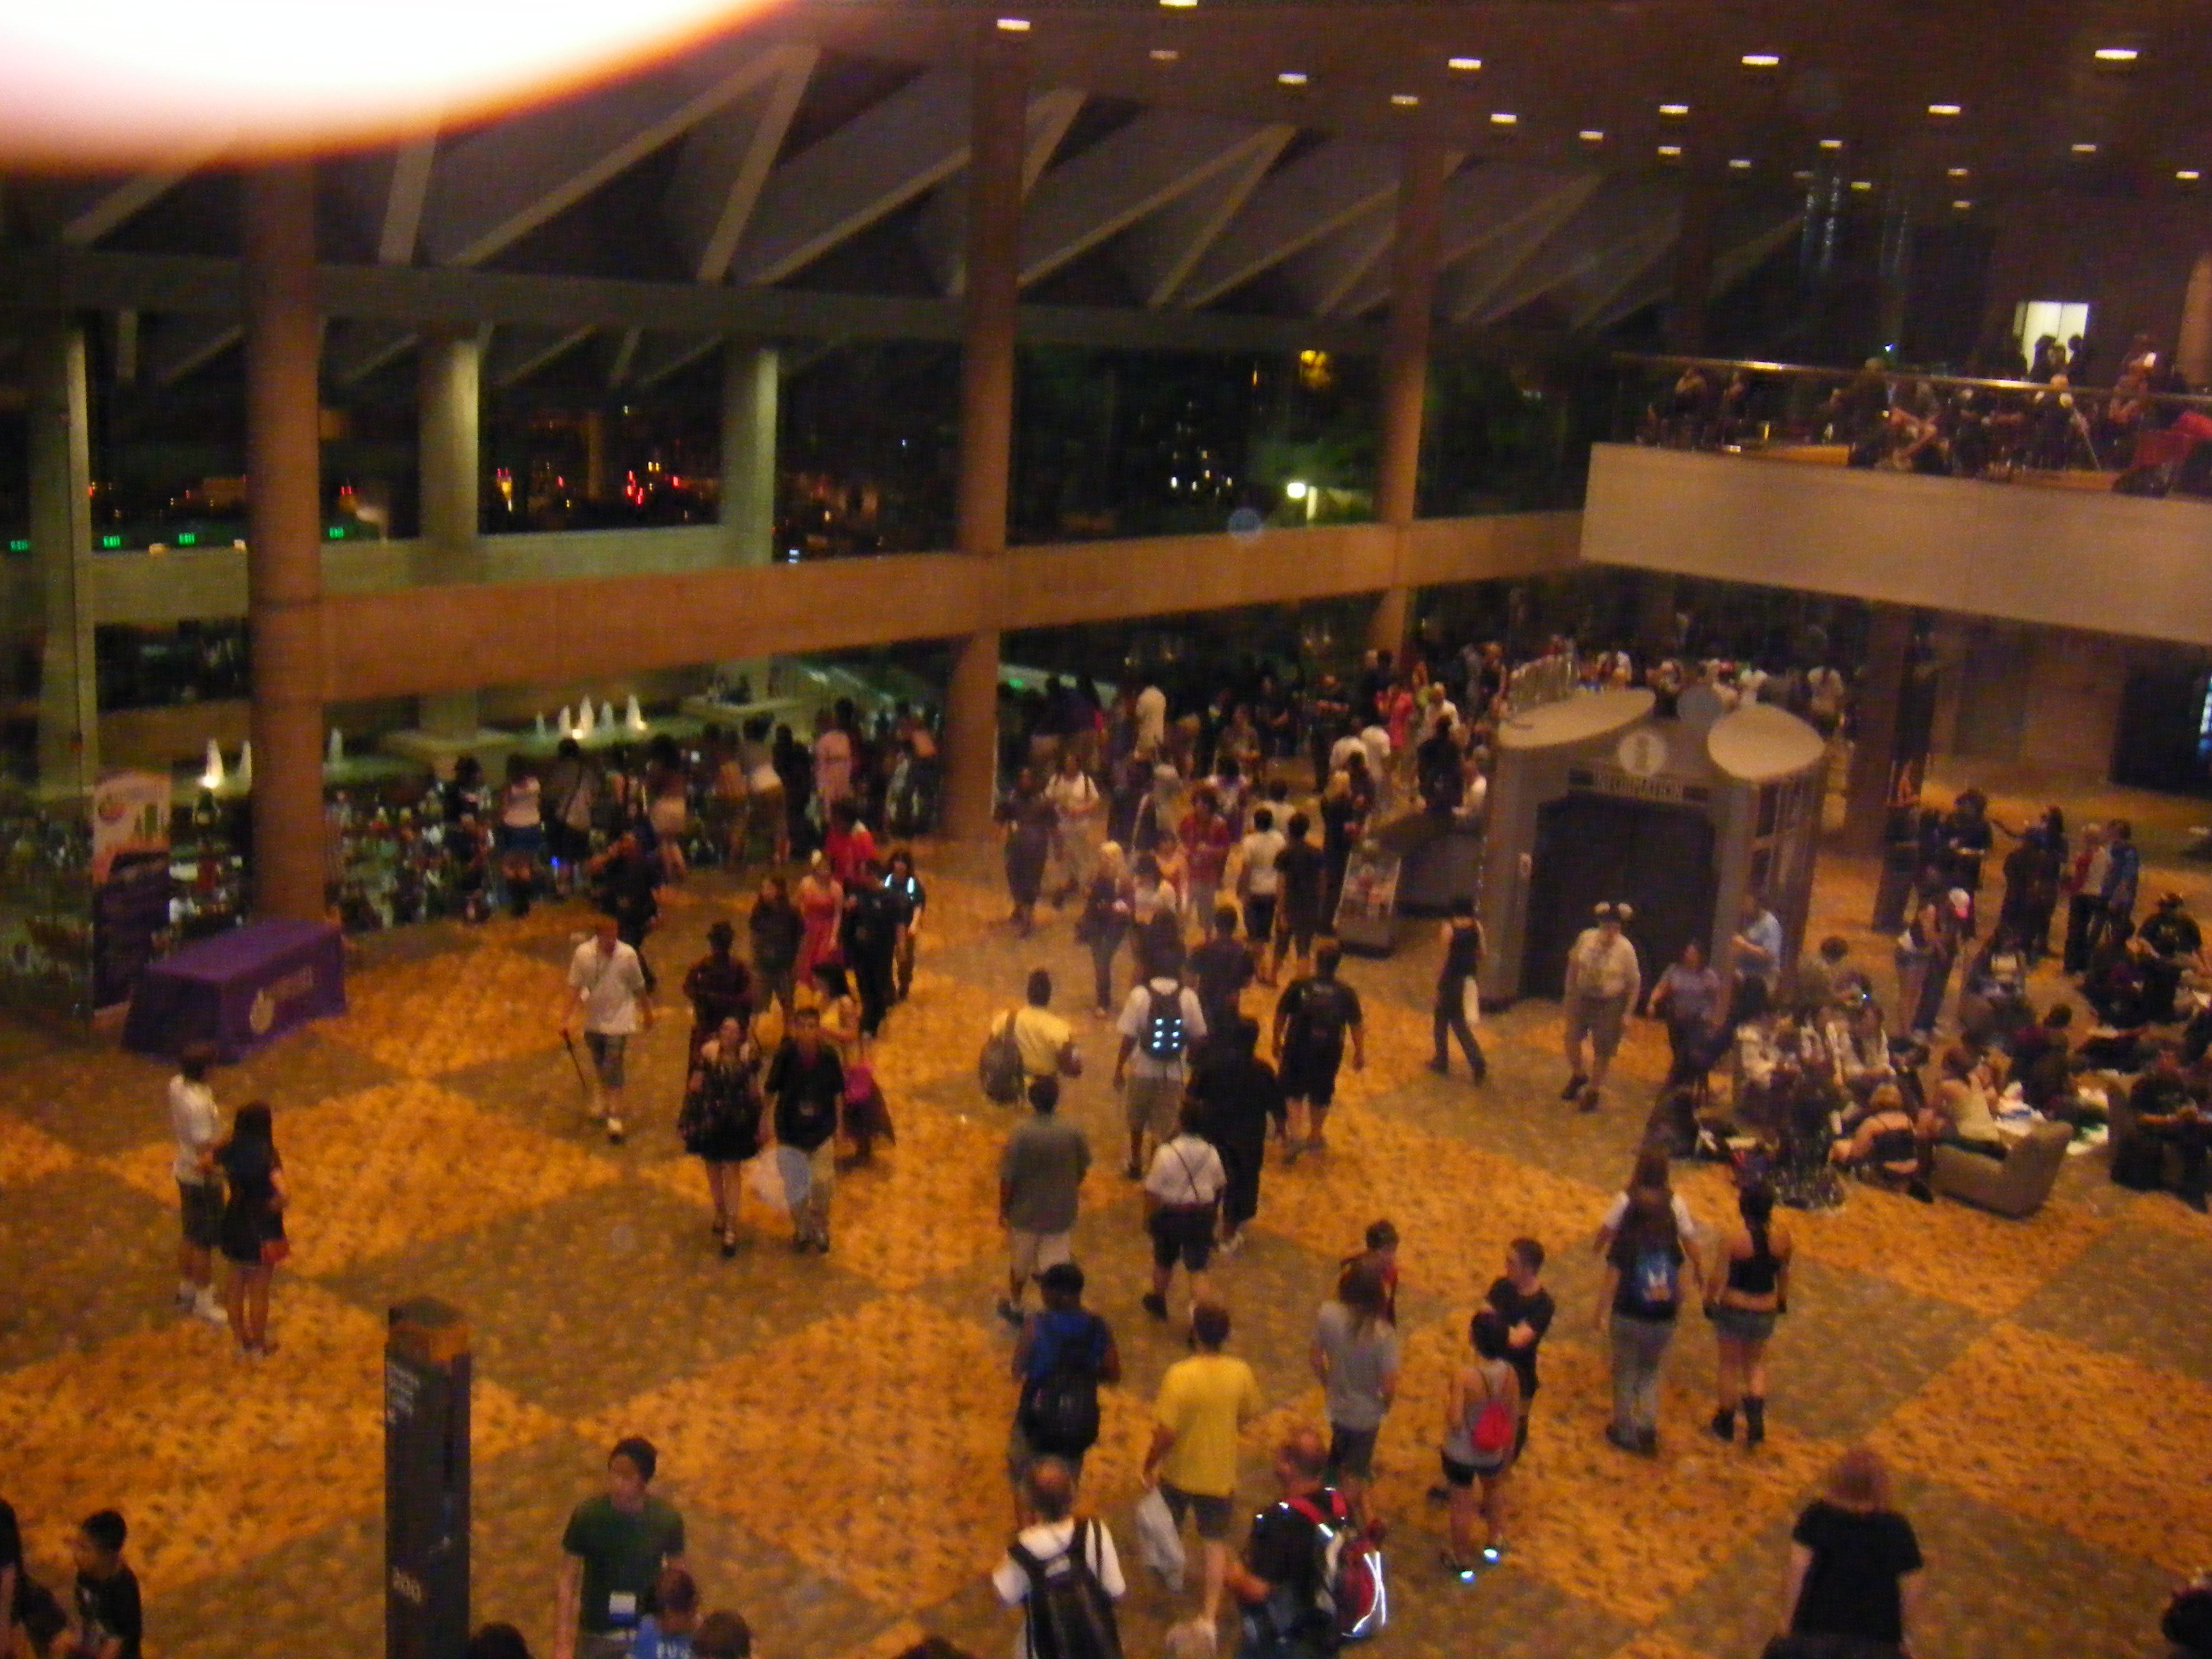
[1750, 1290]
[254, 1240]
[1637, 1310]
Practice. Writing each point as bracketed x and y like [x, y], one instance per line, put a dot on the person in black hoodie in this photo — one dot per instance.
[1241, 1099]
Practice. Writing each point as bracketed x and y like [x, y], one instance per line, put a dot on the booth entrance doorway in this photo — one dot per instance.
[1592, 849]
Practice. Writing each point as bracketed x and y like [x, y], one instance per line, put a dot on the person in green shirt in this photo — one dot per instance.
[615, 1547]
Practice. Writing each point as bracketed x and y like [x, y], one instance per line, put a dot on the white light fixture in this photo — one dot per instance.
[1296, 490]
[1861, 184]
[1670, 150]
[2187, 175]
[1015, 25]
[1673, 109]
[1962, 205]
[2116, 54]
[1739, 164]
[1293, 78]
[1832, 144]
[1803, 175]
[1405, 99]
[1761, 60]
[1164, 54]
[1954, 172]
[1464, 65]
[1592, 135]
[1503, 118]
[2085, 150]
[1179, 5]
[1942, 109]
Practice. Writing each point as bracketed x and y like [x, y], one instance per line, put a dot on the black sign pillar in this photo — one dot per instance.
[426, 1482]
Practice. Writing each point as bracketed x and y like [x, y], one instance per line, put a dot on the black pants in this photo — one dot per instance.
[872, 983]
[1453, 1021]
[1240, 1199]
[2081, 911]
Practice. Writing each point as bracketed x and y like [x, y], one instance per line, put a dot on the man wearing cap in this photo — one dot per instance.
[2176, 945]
[1603, 980]
[615, 1547]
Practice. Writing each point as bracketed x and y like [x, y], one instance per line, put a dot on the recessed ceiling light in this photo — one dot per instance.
[2116, 54]
[1803, 175]
[1179, 5]
[1739, 164]
[1673, 109]
[1942, 109]
[1164, 54]
[1954, 172]
[1592, 135]
[2187, 175]
[1670, 150]
[1761, 60]
[1015, 25]
[2085, 150]
[1293, 78]
[1503, 118]
[1861, 184]
[1405, 99]
[1832, 144]
[1465, 65]
[1962, 205]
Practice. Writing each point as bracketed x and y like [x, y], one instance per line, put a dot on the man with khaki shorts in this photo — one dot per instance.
[1040, 1179]
[1159, 1023]
[1604, 979]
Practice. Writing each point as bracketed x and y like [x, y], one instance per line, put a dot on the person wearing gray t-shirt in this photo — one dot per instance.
[1040, 1176]
[1355, 1355]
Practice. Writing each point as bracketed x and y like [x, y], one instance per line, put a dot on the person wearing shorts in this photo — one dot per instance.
[1491, 1381]
[1182, 1199]
[196, 1123]
[1204, 1401]
[1603, 980]
[1154, 1084]
[1314, 1015]
[1355, 1356]
[1041, 1171]
[606, 990]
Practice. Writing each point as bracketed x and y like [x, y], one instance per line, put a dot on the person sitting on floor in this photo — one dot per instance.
[1886, 1147]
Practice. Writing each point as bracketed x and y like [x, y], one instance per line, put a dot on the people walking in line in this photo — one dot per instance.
[1355, 1357]
[1183, 1198]
[1603, 979]
[607, 991]
[1240, 1100]
[1301, 886]
[196, 1123]
[1041, 1170]
[1058, 1545]
[719, 987]
[1205, 1401]
[1064, 1355]
[1258, 883]
[1160, 1021]
[1315, 1017]
[1637, 1311]
[910, 905]
[1459, 1000]
[1749, 1290]
[1108, 906]
[777, 931]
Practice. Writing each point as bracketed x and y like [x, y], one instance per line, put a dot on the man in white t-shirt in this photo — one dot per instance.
[1182, 1202]
[606, 990]
[1057, 1535]
[1076, 804]
[1154, 1055]
[1257, 884]
[1152, 711]
[196, 1123]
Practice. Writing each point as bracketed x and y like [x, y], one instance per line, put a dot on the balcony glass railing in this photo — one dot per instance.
[2131, 437]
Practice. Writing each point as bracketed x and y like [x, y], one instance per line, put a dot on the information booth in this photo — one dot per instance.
[1679, 811]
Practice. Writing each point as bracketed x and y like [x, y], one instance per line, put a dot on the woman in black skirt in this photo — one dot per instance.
[252, 1235]
[721, 1118]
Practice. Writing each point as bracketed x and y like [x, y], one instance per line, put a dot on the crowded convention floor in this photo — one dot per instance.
[831, 1423]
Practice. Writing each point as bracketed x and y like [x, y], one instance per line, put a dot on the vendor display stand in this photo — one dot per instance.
[239, 990]
[1367, 909]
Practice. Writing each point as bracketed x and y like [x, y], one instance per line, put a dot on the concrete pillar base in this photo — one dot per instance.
[971, 737]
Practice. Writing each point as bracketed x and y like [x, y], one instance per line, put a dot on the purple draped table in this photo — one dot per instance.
[239, 989]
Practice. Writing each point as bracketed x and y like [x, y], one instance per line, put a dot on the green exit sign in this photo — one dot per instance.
[19, 545]
[187, 539]
[111, 541]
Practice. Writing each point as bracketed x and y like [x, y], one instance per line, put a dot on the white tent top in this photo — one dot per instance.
[1759, 743]
[1576, 720]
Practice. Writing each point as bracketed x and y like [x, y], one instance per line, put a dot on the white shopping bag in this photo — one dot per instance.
[1470, 1001]
[1159, 1540]
[780, 1177]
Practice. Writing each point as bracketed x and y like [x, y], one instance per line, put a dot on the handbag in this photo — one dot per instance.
[275, 1250]
[1159, 1540]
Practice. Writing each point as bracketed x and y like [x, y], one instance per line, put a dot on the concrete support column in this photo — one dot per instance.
[1000, 142]
[1406, 368]
[61, 546]
[2193, 351]
[1693, 262]
[449, 402]
[283, 565]
[751, 383]
[1880, 761]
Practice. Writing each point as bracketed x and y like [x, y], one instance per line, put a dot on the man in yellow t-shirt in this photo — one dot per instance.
[1046, 1040]
[1204, 1401]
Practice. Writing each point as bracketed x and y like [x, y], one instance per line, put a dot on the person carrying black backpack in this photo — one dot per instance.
[1317, 1012]
[1159, 1023]
[1064, 1572]
[1064, 1353]
[1309, 1580]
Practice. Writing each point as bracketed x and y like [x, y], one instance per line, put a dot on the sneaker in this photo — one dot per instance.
[205, 1306]
[1135, 1171]
[1575, 1084]
[1317, 1143]
[1439, 1494]
[1155, 1304]
[1232, 1244]
[729, 1242]
[1492, 1554]
[1481, 1074]
[614, 1132]
[1647, 1442]
[1458, 1568]
[185, 1298]
[1441, 1068]
[1625, 1442]
[1590, 1098]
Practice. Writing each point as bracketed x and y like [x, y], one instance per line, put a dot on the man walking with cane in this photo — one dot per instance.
[606, 990]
